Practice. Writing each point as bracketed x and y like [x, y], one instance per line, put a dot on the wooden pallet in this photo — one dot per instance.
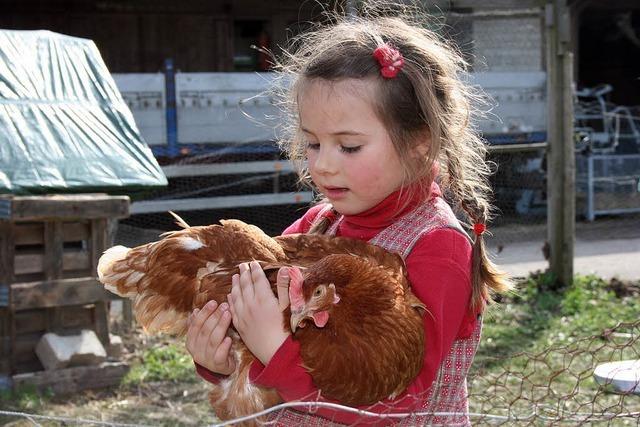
[49, 250]
[73, 380]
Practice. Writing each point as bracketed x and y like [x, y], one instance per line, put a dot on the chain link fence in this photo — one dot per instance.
[556, 385]
[249, 181]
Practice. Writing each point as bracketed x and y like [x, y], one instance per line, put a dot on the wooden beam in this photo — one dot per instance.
[34, 263]
[73, 380]
[7, 249]
[151, 206]
[53, 250]
[97, 246]
[55, 293]
[23, 353]
[82, 206]
[7, 327]
[33, 234]
[98, 242]
[561, 205]
[175, 171]
[101, 325]
[30, 321]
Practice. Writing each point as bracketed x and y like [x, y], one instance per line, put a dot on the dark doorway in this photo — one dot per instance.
[609, 51]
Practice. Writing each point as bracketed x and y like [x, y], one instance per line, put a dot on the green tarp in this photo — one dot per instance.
[63, 124]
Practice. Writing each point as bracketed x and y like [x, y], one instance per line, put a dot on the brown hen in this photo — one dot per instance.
[359, 325]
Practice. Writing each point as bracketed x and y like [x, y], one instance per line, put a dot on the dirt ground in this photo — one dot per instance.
[150, 403]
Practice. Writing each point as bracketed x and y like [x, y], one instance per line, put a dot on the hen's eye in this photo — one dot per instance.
[318, 292]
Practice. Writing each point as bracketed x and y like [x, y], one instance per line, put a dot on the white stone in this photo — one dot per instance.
[114, 349]
[57, 351]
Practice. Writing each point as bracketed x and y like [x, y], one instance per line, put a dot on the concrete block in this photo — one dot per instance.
[56, 351]
[114, 349]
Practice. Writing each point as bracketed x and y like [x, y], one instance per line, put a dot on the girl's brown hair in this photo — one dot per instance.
[427, 101]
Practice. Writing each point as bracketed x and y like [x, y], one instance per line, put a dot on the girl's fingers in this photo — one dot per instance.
[219, 332]
[234, 312]
[221, 358]
[201, 316]
[246, 281]
[257, 273]
[198, 317]
[235, 298]
[231, 306]
[282, 285]
[261, 285]
[210, 324]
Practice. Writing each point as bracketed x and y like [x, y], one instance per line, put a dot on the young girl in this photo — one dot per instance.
[381, 118]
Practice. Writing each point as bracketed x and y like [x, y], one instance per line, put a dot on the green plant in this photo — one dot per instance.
[24, 398]
[162, 362]
[538, 315]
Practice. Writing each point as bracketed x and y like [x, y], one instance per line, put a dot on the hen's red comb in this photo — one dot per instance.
[296, 299]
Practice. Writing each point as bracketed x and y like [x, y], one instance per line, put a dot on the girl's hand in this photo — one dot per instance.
[206, 338]
[257, 314]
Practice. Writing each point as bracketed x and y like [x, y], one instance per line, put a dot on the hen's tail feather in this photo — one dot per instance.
[111, 277]
[155, 315]
[152, 310]
[179, 221]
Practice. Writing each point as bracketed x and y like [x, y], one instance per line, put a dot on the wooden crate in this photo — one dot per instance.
[49, 250]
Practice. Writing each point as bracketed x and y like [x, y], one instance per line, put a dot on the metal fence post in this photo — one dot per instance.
[590, 193]
[171, 108]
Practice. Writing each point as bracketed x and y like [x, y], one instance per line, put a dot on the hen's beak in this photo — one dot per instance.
[296, 318]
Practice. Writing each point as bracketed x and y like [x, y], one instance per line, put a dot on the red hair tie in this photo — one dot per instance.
[330, 215]
[390, 60]
[479, 228]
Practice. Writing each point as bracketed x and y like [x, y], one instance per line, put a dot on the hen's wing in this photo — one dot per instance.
[306, 249]
[169, 278]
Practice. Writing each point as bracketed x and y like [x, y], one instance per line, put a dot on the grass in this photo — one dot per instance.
[165, 361]
[540, 347]
[25, 399]
[535, 316]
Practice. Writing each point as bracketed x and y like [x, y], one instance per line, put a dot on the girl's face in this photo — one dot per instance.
[350, 155]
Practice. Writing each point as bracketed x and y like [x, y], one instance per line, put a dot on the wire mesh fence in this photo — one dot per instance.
[556, 386]
[519, 184]
[246, 181]
[551, 386]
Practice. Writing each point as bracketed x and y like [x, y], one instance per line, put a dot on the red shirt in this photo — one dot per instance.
[439, 269]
